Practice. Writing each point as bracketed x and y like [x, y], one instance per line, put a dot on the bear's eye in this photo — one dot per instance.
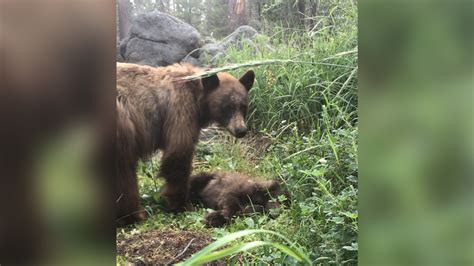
[243, 108]
[227, 110]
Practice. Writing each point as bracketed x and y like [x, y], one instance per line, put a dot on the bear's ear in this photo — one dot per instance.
[274, 185]
[247, 79]
[271, 185]
[210, 83]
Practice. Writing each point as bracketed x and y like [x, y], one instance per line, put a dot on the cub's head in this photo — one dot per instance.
[226, 100]
[266, 194]
[272, 190]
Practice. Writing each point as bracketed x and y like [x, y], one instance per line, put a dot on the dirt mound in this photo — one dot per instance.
[161, 247]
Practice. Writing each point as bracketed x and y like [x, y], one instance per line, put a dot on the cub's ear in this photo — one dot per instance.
[210, 83]
[247, 79]
[271, 185]
[274, 185]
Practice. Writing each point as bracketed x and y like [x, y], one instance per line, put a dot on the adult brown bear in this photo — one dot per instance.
[157, 110]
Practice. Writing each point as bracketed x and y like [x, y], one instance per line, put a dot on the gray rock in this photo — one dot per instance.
[239, 35]
[191, 60]
[212, 49]
[151, 53]
[119, 56]
[247, 36]
[123, 46]
[209, 39]
[210, 52]
[158, 39]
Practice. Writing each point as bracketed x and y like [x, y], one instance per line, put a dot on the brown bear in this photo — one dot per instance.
[158, 110]
[232, 194]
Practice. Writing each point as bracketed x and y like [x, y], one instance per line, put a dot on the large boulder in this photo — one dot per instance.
[213, 50]
[158, 39]
[210, 52]
[248, 36]
[241, 34]
[192, 60]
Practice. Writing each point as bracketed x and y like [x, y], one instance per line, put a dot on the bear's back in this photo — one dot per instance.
[134, 80]
[155, 97]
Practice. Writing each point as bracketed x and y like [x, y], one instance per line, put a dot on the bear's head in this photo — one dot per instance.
[225, 101]
[265, 195]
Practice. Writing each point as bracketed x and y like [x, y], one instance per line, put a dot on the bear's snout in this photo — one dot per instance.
[240, 132]
[237, 126]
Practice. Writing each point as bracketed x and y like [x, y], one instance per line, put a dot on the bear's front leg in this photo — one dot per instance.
[230, 206]
[219, 218]
[176, 169]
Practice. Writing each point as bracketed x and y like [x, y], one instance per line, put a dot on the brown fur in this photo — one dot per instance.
[232, 194]
[155, 111]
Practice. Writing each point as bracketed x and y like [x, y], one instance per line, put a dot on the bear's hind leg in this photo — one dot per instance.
[128, 201]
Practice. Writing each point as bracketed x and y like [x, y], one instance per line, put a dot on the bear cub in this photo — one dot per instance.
[232, 194]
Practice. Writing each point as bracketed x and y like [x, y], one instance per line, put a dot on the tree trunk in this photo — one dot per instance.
[237, 13]
[189, 13]
[313, 12]
[124, 14]
[259, 10]
[301, 11]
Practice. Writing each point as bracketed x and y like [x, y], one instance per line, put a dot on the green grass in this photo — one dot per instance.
[322, 218]
[303, 117]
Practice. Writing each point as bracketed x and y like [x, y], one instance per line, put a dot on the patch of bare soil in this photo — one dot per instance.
[161, 247]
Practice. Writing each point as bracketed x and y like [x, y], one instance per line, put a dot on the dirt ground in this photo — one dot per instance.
[254, 145]
[161, 247]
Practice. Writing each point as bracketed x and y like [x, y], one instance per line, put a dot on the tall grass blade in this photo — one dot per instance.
[207, 254]
[255, 63]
